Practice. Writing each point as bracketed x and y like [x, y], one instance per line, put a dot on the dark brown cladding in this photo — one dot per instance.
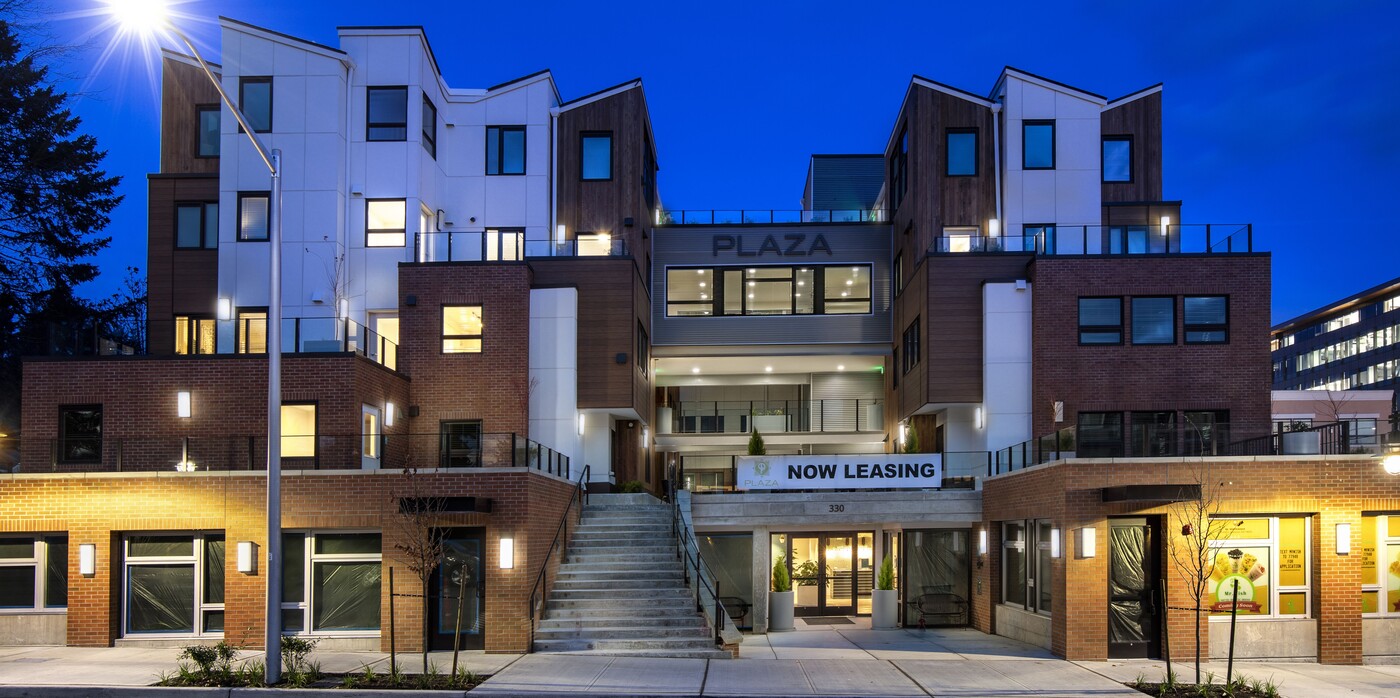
[184, 88]
[1141, 119]
[178, 281]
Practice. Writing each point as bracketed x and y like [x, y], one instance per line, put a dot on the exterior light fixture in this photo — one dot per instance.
[841, 367]
[247, 557]
[1088, 541]
[343, 308]
[1390, 454]
[993, 227]
[982, 542]
[87, 559]
[182, 404]
[645, 437]
[695, 370]
[559, 233]
[389, 412]
[767, 369]
[1391, 463]
[1344, 539]
[977, 417]
[507, 553]
[581, 423]
[903, 433]
[1056, 549]
[225, 309]
[1166, 223]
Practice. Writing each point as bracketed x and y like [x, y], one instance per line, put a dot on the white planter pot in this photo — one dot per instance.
[770, 423]
[884, 609]
[663, 420]
[1302, 443]
[779, 611]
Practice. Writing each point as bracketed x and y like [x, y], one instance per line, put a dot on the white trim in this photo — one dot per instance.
[226, 23]
[1047, 84]
[953, 91]
[1155, 89]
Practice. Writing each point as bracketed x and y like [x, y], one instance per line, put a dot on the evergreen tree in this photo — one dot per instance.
[756, 447]
[911, 440]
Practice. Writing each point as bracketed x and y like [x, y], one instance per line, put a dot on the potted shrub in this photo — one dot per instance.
[884, 600]
[771, 421]
[780, 599]
[1298, 441]
[756, 447]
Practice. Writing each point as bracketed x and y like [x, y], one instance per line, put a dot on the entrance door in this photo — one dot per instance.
[823, 574]
[460, 577]
[370, 437]
[1133, 580]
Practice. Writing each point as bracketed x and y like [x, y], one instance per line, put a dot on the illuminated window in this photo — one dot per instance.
[385, 222]
[461, 329]
[194, 335]
[250, 331]
[299, 430]
[832, 289]
[1271, 575]
[253, 216]
[1380, 565]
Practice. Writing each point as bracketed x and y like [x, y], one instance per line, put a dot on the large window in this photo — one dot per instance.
[505, 150]
[810, 290]
[1099, 435]
[911, 346]
[1117, 158]
[643, 349]
[206, 131]
[596, 151]
[460, 445]
[429, 127]
[1207, 319]
[899, 170]
[1153, 434]
[250, 331]
[1026, 579]
[174, 584]
[1100, 320]
[1154, 320]
[1362, 430]
[386, 114]
[330, 582]
[255, 101]
[33, 572]
[1270, 577]
[80, 434]
[1037, 145]
[197, 226]
[299, 430]
[962, 152]
[1380, 564]
[252, 216]
[1205, 432]
[462, 327]
[194, 334]
[385, 222]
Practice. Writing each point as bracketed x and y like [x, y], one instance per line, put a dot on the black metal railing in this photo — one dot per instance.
[694, 568]
[509, 247]
[961, 470]
[768, 216]
[539, 594]
[1318, 439]
[776, 416]
[1109, 240]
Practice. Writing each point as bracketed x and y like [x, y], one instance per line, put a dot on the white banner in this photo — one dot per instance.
[876, 470]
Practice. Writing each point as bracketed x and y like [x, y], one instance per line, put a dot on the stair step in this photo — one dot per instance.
[639, 620]
[580, 570]
[648, 544]
[618, 585]
[668, 654]
[647, 643]
[624, 614]
[634, 595]
[636, 632]
[610, 605]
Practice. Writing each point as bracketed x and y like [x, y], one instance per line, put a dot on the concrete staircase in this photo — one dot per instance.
[621, 590]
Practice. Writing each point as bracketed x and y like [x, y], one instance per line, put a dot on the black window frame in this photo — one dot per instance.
[238, 223]
[583, 136]
[899, 169]
[717, 281]
[948, 151]
[1188, 327]
[239, 323]
[371, 124]
[243, 83]
[429, 126]
[208, 239]
[1054, 142]
[897, 268]
[64, 437]
[643, 354]
[1099, 329]
[316, 428]
[912, 352]
[1103, 145]
[1110, 448]
[1134, 310]
[443, 337]
[199, 111]
[472, 454]
[500, 131]
[192, 322]
[386, 231]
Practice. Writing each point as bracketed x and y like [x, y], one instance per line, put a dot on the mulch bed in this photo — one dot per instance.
[1187, 690]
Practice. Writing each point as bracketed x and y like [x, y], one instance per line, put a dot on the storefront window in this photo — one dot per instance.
[1269, 576]
[33, 572]
[769, 290]
[333, 577]
[936, 574]
[1380, 564]
[174, 583]
[730, 558]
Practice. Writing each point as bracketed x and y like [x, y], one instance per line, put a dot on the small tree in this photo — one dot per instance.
[420, 539]
[1190, 548]
[781, 581]
[756, 447]
[885, 582]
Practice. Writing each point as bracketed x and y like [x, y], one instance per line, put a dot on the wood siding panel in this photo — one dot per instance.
[178, 282]
[952, 346]
[1141, 119]
[183, 87]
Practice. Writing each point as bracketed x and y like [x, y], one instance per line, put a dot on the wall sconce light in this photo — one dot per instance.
[1343, 539]
[993, 227]
[182, 404]
[977, 417]
[87, 559]
[903, 433]
[1166, 223]
[1088, 541]
[225, 309]
[1055, 548]
[559, 233]
[507, 553]
[1058, 407]
[389, 414]
[582, 422]
[982, 542]
[343, 307]
[646, 435]
[247, 557]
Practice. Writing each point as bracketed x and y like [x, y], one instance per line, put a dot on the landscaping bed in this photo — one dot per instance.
[1241, 688]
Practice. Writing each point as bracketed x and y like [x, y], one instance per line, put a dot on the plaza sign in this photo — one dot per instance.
[817, 472]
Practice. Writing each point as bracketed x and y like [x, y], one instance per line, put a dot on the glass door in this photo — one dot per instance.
[840, 582]
[824, 574]
[1132, 590]
[459, 591]
[805, 559]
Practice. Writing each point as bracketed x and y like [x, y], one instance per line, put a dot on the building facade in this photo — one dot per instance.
[1352, 344]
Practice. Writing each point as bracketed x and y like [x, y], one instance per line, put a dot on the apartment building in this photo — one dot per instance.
[482, 287]
[1351, 344]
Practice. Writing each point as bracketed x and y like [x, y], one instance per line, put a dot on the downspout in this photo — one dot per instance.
[996, 166]
[342, 236]
[553, 176]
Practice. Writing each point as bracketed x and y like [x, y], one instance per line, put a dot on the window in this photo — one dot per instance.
[643, 349]
[194, 335]
[1133, 240]
[1100, 320]
[1099, 435]
[1013, 563]
[460, 444]
[504, 244]
[80, 434]
[255, 101]
[429, 127]
[648, 176]
[1380, 564]
[1207, 319]
[174, 584]
[768, 290]
[461, 329]
[1152, 435]
[1206, 432]
[387, 114]
[206, 131]
[962, 152]
[385, 222]
[899, 170]
[1039, 238]
[252, 216]
[847, 290]
[33, 572]
[197, 226]
[1117, 158]
[911, 345]
[1037, 145]
[1362, 430]
[1271, 576]
[596, 156]
[250, 331]
[1154, 320]
[299, 430]
[898, 274]
[505, 150]
[961, 239]
[330, 582]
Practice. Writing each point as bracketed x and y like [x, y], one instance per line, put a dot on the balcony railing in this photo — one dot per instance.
[509, 247]
[299, 452]
[1109, 240]
[300, 335]
[778, 416]
[767, 216]
[960, 472]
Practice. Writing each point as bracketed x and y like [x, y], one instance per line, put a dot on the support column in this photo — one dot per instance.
[762, 568]
[1336, 580]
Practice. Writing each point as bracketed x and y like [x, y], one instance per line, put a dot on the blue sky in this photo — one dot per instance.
[1281, 114]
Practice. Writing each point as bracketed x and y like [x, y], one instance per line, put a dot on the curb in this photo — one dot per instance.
[200, 692]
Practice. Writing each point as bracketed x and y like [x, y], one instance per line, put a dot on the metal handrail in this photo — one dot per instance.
[738, 216]
[1118, 240]
[539, 597]
[685, 540]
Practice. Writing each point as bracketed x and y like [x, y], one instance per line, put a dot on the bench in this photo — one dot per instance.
[945, 605]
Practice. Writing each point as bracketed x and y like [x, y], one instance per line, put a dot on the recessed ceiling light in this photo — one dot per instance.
[704, 296]
[695, 370]
[768, 369]
[750, 295]
[700, 271]
[753, 271]
[753, 283]
[848, 283]
[702, 284]
[841, 367]
[802, 283]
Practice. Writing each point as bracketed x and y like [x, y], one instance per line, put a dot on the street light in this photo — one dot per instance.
[151, 17]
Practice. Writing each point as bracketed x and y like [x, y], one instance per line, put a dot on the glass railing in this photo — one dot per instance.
[767, 216]
[509, 247]
[1109, 240]
[778, 416]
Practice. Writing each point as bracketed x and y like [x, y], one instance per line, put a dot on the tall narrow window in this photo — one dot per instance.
[252, 216]
[299, 430]
[387, 114]
[911, 345]
[80, 434]
[1117, 158]
[197, 226]
[255, 101]
[596, 158]
[385, 222]
[1037, 145]
[1154, 320]
[962, 152]
[429, 127]
[1100, 320]
[643, 349]
[250, 331]
[898, 273]
[1207, 319]
[505, 150]
[207, 131]
[1013, 549]
[194, 334]
[899, 169]
[462, 328]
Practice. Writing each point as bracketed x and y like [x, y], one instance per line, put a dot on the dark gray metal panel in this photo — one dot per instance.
[845, 182]
[694, 246]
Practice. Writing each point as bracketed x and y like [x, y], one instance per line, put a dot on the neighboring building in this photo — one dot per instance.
[1365, 412]
[483, 285]
[1351, 344]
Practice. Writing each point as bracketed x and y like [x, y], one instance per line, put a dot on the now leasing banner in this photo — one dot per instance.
[873, 471]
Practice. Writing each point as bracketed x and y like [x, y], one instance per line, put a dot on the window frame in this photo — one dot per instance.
[309, 558]
[1383, 542]
[243, 82]
[371, 124]
[238, 222]
[899, 169]
[643, 354]
[208, 239]
[41, 562]
[401, 232]
[1133, 302]
[1027, 124]
[500, 131]
[192, 323]
[716, 301]
[442, 329]
[239, 328]
[1099, 329]
[443, 451]
[63, 436]
[912, 352]
[315, 428]
[196, 560]
[1274, 544]
[897, 270]
[948, 134]
[583, 136]
[199, 111]
[1103, 145]
[1188, 328]
[429, 126]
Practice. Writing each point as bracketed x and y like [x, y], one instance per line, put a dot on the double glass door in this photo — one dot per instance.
[832, 573]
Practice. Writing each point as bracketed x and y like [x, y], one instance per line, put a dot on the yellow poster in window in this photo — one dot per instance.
[1242, 529]
[1243, 582]
[1292, 552]
[1368, 550]
[1393, 579]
